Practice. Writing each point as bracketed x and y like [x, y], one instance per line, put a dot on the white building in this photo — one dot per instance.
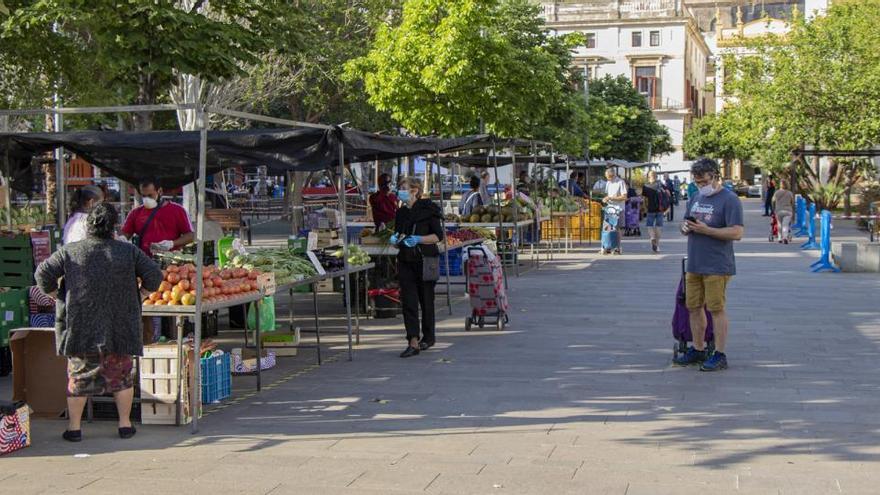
[655, 43]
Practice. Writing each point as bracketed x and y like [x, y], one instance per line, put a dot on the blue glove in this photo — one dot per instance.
[412, 240]
[394, 239]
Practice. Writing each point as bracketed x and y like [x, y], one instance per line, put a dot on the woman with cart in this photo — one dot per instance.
[418, 230]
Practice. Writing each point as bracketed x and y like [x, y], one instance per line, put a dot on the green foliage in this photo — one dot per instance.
[137, 46]
[820, 86]
[622, 124]
[451, 63]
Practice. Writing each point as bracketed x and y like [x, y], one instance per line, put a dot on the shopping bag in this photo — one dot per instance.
[267, 315]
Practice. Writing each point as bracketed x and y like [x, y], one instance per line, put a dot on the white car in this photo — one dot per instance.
[756, 191]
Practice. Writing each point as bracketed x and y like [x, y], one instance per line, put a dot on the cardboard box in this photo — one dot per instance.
[39, 375]
[282, 343]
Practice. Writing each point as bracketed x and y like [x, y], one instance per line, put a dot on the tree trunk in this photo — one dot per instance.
[49, 178]
[146, 95]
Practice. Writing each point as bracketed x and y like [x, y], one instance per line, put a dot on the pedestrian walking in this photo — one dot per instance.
[783, 206]
[768, 196]
[670, 188]
[713, 220]
[99, 315]
[81, 202]
[616, 194]
[657, 201]
[417, 232]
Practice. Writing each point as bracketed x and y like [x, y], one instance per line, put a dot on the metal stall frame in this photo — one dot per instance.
[203, 114]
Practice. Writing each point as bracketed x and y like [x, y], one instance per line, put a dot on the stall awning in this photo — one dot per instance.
[489, 161]
[171, 157]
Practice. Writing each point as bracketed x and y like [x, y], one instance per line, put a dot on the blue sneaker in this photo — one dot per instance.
[716, 362]
[692, 356]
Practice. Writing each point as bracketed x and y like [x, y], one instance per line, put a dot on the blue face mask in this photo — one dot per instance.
[403, 195]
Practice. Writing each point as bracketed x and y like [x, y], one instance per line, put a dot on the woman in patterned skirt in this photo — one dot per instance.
[98, 323]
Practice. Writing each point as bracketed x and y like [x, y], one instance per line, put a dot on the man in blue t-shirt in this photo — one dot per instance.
[713, 220]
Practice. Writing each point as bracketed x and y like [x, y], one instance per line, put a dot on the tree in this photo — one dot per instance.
[622, 124]
[138, 47]
[819, 86]
[451, 64]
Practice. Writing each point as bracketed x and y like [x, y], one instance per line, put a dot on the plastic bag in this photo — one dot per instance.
[267, 315]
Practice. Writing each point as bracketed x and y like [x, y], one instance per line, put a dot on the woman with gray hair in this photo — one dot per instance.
[98, 314]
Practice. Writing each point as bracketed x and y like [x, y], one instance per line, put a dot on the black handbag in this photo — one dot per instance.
[136, 238]
[430, 264]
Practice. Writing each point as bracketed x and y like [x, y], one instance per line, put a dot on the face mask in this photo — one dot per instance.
[150, 203]
[707, 190]
[403, 195]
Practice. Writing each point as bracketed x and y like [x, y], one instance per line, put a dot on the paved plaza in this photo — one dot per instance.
[577, 396]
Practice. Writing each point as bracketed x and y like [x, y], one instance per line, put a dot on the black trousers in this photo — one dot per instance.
[414, 293]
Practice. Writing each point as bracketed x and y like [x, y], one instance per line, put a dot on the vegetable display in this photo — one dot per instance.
[286, 265]
[178, 287]
[27, 215]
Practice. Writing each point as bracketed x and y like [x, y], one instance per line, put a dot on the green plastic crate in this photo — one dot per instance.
[16, 280]
[14, 240]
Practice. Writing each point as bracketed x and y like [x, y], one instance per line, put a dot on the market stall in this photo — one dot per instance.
[175, 158]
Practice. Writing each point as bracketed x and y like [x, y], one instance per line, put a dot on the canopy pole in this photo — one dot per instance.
[514, 203]
[7, 171]
[60, 175]
[196, 390]
[498, 204]
[443, 226]
[344, 214]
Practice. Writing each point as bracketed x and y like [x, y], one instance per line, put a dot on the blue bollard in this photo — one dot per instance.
[800, 226]
[811, 243]
[824, 262]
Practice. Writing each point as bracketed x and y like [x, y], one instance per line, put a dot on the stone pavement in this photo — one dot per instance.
[578, 396]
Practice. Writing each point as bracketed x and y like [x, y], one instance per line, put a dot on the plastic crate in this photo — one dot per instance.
[14, 240]
[216, 378]
[455, 263]
[17, 280]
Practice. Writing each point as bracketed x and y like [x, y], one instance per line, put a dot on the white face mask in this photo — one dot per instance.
[707, 190]
[150, 203]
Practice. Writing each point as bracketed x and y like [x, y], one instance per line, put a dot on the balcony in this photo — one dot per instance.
[573, 11]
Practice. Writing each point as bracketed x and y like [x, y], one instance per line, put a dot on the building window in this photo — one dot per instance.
[655, 38]
[647, 84]
[637, 38]
[591, 40]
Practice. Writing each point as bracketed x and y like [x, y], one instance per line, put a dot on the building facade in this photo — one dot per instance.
[655, 43]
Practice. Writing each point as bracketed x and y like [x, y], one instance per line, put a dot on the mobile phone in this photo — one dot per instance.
[689, 218]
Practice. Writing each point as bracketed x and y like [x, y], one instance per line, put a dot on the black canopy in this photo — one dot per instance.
[489, 161]
[172, 157]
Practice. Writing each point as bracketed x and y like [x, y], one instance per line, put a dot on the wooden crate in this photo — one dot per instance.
[158, 380]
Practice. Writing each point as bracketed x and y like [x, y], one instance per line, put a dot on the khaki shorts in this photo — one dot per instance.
[706, 290]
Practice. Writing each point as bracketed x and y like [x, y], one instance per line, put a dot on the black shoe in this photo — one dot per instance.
[409, 352]
[72, 435]
[127, 432]
[424, 346]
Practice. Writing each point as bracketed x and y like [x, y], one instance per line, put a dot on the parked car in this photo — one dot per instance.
[755, 191]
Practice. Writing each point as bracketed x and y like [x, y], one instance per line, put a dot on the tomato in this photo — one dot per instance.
[184, 284]
[155, 296]
[253, 274]
[225, 274]
[173, 268]
[163, 287]
[166, 296]
[160, 302]
[173, 278]
[218, 282]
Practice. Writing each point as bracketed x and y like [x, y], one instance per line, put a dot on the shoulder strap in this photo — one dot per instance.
[149, 221]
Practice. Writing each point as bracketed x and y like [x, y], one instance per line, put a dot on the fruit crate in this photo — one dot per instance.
[158, 380]
[17, 280]
[216, 378]
[17, 240]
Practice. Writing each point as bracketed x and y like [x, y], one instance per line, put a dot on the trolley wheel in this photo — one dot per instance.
[467, 324]
[481, 322]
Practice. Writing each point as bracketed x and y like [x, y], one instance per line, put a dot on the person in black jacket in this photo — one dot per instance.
[417, 232]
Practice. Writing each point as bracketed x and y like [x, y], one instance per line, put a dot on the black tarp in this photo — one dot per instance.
[172, 157]
[489, 161]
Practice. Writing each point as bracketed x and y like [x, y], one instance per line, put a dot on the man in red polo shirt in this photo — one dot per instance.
[170, 227]
[383, 202]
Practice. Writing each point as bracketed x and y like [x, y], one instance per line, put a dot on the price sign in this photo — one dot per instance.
[316, 264]
[266, 283]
